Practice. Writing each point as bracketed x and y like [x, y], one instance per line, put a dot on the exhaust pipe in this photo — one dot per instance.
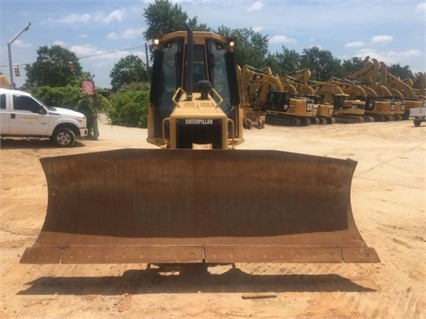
[189, 62]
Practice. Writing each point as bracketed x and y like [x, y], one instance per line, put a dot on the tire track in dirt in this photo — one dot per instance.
[344, 298]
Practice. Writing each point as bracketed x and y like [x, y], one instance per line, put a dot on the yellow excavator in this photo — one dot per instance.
[379, 101]
[419, 85]
[277, 100]
[324, 110]
[192, 201]
[335, 97]
[346, 109]
[251, 85]
[407, 96]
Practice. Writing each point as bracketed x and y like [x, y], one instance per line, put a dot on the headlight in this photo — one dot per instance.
[82, 121]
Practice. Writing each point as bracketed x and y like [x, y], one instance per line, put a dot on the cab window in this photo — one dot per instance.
[26, 103]
[2, 101]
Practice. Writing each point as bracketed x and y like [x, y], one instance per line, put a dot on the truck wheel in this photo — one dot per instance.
[417, 123]
[63, 137]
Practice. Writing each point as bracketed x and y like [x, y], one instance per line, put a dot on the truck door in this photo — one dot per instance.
[4, 115]
[28, 116]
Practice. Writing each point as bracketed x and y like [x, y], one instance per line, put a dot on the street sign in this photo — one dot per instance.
[88, 87]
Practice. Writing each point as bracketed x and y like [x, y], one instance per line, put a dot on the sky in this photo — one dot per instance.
[101, 32]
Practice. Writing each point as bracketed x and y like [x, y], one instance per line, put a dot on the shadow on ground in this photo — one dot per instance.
[151, 281]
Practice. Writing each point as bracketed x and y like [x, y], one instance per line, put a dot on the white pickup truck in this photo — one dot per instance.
[23, 115]
[418, 114]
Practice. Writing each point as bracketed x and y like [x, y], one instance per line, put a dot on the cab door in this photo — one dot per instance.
[28, 117]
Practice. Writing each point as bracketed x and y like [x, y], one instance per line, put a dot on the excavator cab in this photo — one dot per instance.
[177, 205]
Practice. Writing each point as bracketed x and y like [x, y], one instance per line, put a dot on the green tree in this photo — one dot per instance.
[284, 62]
[195, 25]
[55, 66]
[252, 46]
[127, 70]
[351, 65]
[130, 106]
[162, 17]
[321, 63]
[400, 71]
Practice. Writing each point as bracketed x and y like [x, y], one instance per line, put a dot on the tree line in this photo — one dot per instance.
[56, 75]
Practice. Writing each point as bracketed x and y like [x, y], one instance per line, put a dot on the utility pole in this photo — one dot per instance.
[9, 49]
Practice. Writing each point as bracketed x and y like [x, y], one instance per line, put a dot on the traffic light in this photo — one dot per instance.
[17, 71]
[71, 66]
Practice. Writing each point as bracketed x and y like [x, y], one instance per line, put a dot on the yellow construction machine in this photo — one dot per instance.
[379, 101]
[275, 99]
[407, 95]
[337, 93]
[419, 85]
[251, 85]
[324, 110]
[176, 205]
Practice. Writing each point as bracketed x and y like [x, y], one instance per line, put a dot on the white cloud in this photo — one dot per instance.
[354, 44]
[112, 36]
[132, 33]
[405, 54]
[126, 34]
[100, 17]
[372, 54]
[280, 39]
[85, 50]
[61, 43]
[421, 7]
[255, 6]
[116, 15]
[83, 36]
[389, 57]
[21, 44]
[257, 29]
[72, 19]
[379, 39]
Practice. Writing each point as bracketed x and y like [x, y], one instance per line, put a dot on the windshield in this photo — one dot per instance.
[211, 61]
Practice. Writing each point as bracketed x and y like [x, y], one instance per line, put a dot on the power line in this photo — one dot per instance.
[85, 56]
[110, 52]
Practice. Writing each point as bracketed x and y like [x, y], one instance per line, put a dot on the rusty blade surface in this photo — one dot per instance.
[198, 206]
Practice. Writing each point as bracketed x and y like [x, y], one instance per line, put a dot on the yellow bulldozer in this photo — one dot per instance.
[177, 205]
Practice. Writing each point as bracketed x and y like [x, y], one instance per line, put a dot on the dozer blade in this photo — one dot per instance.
[187, 206]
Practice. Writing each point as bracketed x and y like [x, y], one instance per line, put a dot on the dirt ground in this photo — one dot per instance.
[388, 201]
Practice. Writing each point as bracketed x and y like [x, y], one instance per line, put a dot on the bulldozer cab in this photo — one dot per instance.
[182, 60]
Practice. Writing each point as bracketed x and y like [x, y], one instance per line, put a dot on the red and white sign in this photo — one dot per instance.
[88, 87]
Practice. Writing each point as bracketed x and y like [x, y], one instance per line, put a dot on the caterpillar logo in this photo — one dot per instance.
[199, 121]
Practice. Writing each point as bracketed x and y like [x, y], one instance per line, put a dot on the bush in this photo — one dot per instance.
[130, 106]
